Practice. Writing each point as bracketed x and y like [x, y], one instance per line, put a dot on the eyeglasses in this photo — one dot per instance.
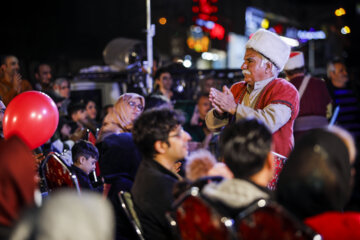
[133, 105]
[178, 134]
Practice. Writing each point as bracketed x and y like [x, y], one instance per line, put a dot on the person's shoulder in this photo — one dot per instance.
[118, 137]
[238, 86]
[283, 83]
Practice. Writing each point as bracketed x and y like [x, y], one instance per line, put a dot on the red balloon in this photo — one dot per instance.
[32, 116]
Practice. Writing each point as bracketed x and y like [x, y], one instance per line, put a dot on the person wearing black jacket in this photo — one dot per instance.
[162, 141]
[84, 155]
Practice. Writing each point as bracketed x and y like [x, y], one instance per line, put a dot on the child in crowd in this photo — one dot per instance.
[84, 156]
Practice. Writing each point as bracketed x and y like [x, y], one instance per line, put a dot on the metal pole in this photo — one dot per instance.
[150, 30]
[312, 56]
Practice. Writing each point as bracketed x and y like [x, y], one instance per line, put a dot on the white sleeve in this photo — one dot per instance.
[273, 115]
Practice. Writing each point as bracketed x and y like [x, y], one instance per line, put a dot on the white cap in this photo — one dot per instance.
[271, 46]
[296, 60]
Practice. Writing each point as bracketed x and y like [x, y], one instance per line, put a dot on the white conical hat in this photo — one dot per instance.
[271, 46]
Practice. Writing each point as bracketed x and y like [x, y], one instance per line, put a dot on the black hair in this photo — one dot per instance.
[4, 57]
[155, 125]
[37, 66]
[74, 107]
[200, 95]
[161, 71]
[155, 101]
[244, 145]
[84, 148]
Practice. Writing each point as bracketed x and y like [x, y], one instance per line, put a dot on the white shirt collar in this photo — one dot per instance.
[260, 84]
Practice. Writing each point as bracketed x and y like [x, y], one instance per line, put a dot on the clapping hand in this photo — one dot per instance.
[222, 101]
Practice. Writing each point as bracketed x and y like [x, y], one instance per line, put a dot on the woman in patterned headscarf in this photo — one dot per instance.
[119, 158]
[126, 109]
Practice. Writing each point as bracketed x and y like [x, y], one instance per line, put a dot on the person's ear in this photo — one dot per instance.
[268, 67]
[270, 162]
[160, 146]
[82, 160]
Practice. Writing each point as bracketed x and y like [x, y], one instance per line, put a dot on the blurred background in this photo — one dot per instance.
[198, 34]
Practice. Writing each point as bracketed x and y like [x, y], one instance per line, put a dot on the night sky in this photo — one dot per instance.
[63, 30]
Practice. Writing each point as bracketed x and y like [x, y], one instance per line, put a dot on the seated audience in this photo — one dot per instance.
[119, 158]
[126, 109]
[315, 185]
[11, 82]
[17, 178]
[317, 177]
[202, 163]
[84, 156]
[246, 149]
[61, 88]
[43, 77]
[197, 127]
[91, 112]
[162, 141]
[67, 215]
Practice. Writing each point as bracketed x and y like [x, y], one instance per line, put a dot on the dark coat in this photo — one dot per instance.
[118, 155]
[152, 195]
[119, 161]
[83, 178]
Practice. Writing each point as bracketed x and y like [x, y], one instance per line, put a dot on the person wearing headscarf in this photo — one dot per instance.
[126, 109]
[17, 178]
[119, 157]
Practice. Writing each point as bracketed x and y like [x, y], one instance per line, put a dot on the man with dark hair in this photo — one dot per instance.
[84, 156]
[197, 127]
[162, 142]
[315, 100]
[163, 83]
[11, 82]
[43, 76]
[245, 147]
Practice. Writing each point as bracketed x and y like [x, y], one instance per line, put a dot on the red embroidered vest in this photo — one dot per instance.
[278, 91]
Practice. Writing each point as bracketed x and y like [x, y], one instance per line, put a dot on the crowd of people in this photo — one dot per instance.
[291, 141]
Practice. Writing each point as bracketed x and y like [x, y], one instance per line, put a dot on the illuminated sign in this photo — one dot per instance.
[206, 18]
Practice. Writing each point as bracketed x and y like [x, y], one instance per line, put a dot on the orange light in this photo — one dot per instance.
[162, 21]
[339, 12]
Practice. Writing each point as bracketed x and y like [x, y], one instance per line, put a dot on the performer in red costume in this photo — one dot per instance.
[315, 100]
[261, 95]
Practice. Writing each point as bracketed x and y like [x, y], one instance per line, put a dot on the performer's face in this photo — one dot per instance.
[252, 68]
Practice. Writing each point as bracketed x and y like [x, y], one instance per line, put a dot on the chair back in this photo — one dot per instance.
[197, 219]
[265, 219]
[128, 207]
[55, 174]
